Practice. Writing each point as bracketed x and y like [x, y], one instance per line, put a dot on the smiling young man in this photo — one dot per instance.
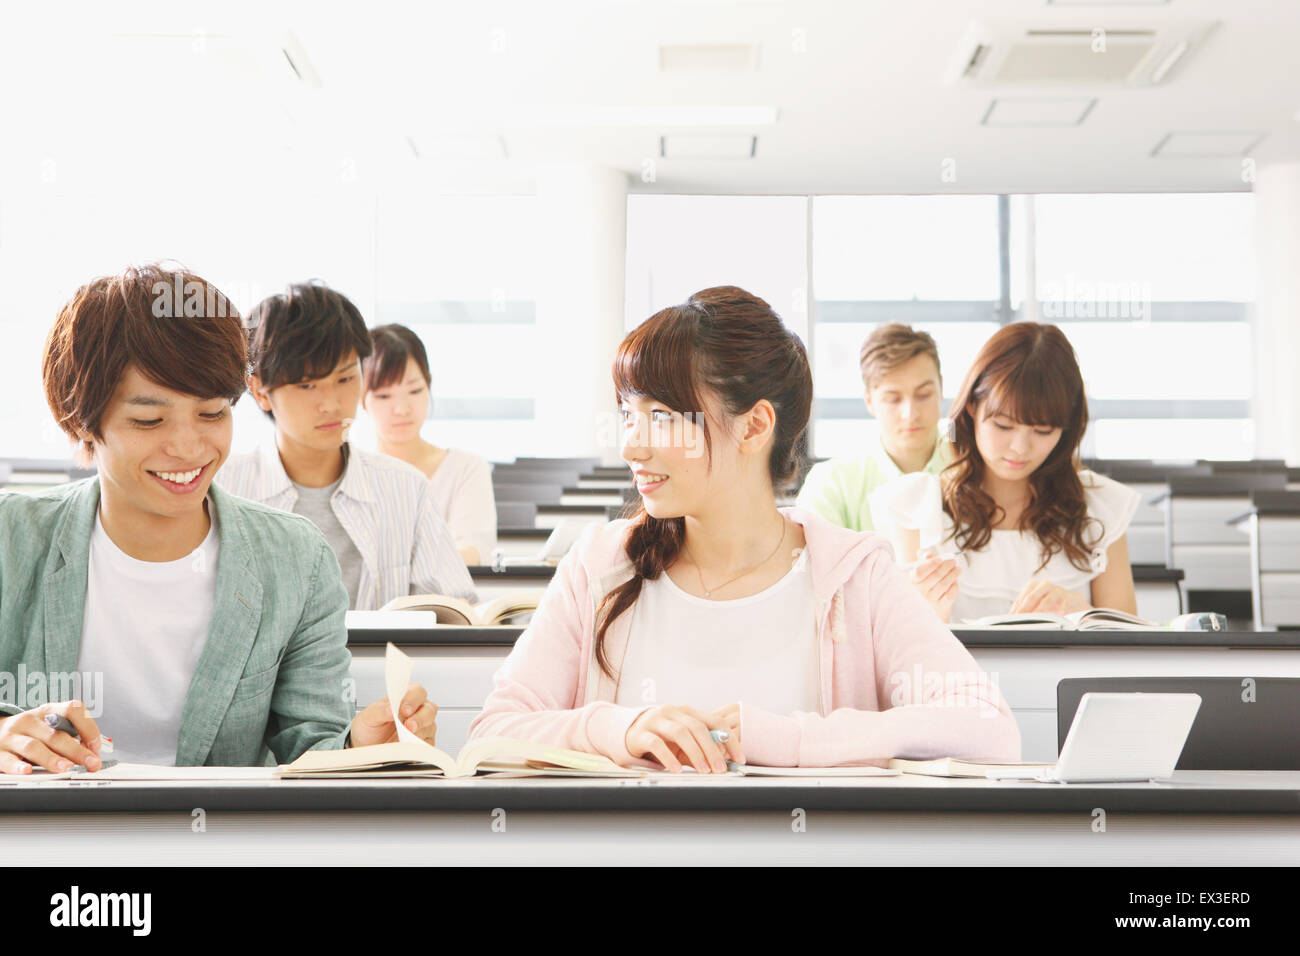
[900, 369]
[215, 625]
[380, 515]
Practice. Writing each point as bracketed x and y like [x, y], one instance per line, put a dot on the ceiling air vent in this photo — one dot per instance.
[1021, 55]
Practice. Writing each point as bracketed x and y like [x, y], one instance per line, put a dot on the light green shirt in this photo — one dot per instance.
[839, 489]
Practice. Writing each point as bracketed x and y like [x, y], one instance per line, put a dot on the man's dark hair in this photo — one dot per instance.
[302, 334]
[175, 327]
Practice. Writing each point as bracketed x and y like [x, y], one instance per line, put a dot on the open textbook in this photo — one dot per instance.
[1095, 619]
[516, 608]
[952, 767]
[754, 770]
[409, 756]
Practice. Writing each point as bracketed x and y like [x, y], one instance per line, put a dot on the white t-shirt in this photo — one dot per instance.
[145, 625]
[991, 579]
[462, 490]
[760, 650]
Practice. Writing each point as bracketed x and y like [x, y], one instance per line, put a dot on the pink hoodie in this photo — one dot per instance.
[894, 680]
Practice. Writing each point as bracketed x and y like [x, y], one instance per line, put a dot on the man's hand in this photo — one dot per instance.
[418, 714]
[26, 740]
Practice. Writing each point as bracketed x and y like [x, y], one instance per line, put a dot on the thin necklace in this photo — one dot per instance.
[708, 592]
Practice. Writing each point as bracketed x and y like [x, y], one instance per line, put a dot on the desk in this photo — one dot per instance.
[548, 516]
[522, 542]
[1197, 510]
[1273, 524]
[607, 482]
[1159, 596]
[1158, 590]
[1223, 818]
[1146, 532]
[456, 664]
[578, 495]
[518, 577]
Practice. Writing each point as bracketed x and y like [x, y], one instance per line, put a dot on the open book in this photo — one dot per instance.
[1093, 619]
[754, 770]
[409, 756]
[418, 759]
[515, 608]
[1097, 619]
[952, 767]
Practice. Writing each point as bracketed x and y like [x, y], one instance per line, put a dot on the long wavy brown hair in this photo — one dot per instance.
[1027, 372]
[729, 342]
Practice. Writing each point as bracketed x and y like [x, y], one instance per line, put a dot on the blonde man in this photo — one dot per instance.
[903, 391]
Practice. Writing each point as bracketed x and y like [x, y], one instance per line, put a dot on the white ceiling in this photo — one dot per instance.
[146, 94]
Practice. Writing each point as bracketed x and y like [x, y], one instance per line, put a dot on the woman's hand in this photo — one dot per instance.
[418, 714]
[680, 735]
[1043, 597]
[936, 578]
[26, 740]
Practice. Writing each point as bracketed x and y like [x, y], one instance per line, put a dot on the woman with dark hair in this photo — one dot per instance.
[396, 396]
[1036, 532]
[714, 610]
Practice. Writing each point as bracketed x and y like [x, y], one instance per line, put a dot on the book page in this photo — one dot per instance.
[521, 753]
[507, 605]
[753, 770]
[397, 677]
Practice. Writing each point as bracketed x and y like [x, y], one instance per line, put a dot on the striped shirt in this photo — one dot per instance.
[386, 507]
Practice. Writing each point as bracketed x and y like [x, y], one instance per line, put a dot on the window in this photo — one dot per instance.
[678, 245]
[1147, 288]
[460, 272]
[1154, 292]
[930, 262]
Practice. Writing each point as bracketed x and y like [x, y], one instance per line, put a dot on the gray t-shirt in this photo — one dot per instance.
[314, 503]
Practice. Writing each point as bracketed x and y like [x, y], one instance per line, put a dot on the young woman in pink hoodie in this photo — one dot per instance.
[714, 610]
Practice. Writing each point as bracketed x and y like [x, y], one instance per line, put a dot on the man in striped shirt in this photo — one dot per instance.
[378, 513]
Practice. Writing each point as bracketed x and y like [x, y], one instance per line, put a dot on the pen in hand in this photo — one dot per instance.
[59, 722]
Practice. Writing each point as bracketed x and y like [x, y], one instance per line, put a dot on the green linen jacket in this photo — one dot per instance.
[272, 678]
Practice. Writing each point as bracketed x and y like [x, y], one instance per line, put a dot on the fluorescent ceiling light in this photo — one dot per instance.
[1208, 144]
[708, 58]
[690, 146]
[1038, 111]
[458, 146]
[553, 115]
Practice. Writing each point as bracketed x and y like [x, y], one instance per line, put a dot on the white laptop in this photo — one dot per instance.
[1116, 738]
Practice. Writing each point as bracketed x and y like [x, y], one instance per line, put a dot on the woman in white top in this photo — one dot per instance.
[1014, 525]
[713, 610]
[397, 398]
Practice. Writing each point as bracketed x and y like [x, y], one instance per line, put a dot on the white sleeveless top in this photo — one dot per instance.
[992, 578]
